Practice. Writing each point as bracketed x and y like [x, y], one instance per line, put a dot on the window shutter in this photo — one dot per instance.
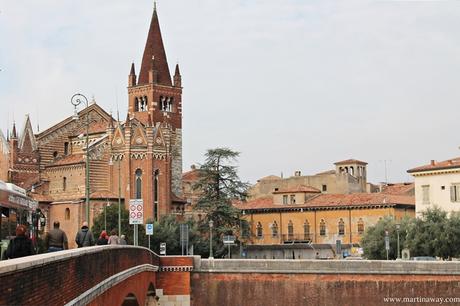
[457, 193]
[452, 193]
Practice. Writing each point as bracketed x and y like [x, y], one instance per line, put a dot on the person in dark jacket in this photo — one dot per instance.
[103, 238]
[21, 245]
[84, 236]
[56, 239]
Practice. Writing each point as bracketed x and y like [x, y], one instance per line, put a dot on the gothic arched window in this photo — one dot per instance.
[67, 214]
[306, 230]
[322, 228]
[360, 226]
[341, 227]
[259, 232]
[136, 105]
[274, 229]
[290, 230]
[138, 184]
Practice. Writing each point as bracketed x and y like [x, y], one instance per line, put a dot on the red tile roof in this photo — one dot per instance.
[447, 164]
[270, 178]
[192, 175]
[399, 188]
[103, 194]
[333, 200]
[350, 161]
[299, 189]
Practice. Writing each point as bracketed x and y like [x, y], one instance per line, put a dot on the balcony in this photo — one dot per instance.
[296, 238]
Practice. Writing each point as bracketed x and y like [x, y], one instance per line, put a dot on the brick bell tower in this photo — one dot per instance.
[154, 126]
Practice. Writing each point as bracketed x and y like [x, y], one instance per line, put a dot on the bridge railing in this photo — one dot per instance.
[57, 278]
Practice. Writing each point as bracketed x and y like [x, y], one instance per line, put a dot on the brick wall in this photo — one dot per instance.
[57, 278]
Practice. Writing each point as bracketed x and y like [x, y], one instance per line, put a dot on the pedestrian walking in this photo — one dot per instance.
[123, 240]
[21, 245]
[56, 239]
[103, 238]
[84, 236]
[114, 239]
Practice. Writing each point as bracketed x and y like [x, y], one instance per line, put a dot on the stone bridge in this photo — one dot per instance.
[126, 275]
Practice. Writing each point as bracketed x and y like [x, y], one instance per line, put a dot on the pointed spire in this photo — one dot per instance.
[27, 142]
[133, 71]
[177, 72]
[154, 48]
[177, 77]
[127, 119]
[132, 76]
[14, 135]
[111, 121]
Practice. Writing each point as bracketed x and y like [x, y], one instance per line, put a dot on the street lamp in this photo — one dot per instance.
[76, 100]
[398, 227]
[211, 224]
[119, 193]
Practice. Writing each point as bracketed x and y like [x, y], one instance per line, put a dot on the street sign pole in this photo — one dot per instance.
[387, 243]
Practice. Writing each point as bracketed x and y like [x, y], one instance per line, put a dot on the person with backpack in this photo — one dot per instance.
[84, 236]
[21, 245]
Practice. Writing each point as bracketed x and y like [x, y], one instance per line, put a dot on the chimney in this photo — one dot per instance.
[433, 162]
[298, 173]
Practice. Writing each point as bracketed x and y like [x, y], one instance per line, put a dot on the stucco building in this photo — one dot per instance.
[349, 176]
[139, 158]
[437, 184]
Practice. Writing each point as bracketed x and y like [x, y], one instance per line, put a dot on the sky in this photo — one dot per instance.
[292, 84]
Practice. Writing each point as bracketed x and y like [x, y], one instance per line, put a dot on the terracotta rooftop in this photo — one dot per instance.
[434, 165]
[103, 194]
[350, 161]
[270, 178]
[298, 189]
[68, 160]
[399, 188]
[192, 175]
[333, 200]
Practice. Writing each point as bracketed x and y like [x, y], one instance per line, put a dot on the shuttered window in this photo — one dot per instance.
[455, 193]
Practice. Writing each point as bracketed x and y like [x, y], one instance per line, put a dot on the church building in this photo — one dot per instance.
[139, 158]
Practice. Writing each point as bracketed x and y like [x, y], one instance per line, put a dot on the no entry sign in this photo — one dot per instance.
[136, 211]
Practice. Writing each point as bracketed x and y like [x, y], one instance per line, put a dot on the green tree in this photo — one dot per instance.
[168, 230]
[112, 223]
[373, 241]
[219, 185]
[435, 234]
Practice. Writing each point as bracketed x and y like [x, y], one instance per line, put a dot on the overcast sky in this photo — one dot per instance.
[291, 84]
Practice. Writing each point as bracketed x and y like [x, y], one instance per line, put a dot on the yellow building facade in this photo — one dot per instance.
[322, 218]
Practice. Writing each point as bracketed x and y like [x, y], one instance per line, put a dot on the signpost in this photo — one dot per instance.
[149, 231]
[184, 238]
[338, 248]
[387, 243]
[229, 241]
[136, 216]
[163, 248]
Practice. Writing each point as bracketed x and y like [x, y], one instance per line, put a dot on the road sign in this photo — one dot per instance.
[163, 248]
[229, 239]
[136, 211]
[387, 243]
[149, 229]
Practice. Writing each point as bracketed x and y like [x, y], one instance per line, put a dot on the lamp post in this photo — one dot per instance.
[211, 224]
[119, 193]
[398, 227]
[76, 100]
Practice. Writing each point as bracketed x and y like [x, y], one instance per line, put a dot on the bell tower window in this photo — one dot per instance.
[138, 184]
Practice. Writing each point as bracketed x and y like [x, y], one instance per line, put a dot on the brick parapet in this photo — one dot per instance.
[278, 266]
[57, 278]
